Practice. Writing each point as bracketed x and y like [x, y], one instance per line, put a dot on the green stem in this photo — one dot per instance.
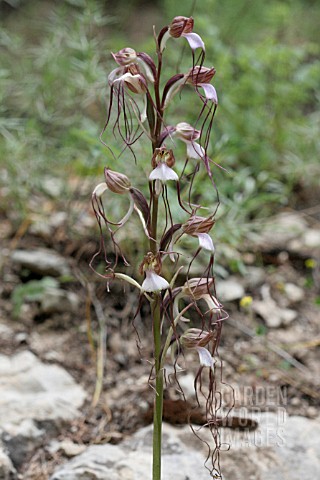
[154, 221]
[158, 402]
[155, 304]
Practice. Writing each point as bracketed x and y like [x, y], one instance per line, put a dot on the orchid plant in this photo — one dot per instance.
[139, 101]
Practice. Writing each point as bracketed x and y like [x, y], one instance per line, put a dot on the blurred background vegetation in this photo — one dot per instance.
[55, 58]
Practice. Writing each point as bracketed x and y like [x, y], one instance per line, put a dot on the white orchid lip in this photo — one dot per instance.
[153, 282]
[209, 91]
[164, 173]
[205, 241]
[194, 40]
[195, 150]
[206, 360]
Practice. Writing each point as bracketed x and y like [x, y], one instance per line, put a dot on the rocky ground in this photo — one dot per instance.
[52, 311]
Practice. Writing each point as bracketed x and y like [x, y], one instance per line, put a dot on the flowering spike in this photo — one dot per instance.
[136, 94]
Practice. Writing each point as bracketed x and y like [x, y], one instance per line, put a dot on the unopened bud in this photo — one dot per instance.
[197, 224]
[186, 132]
[125, 56]
[199, 74]
[180, 25]
[196, 288]
[194, 337]
[117, 182]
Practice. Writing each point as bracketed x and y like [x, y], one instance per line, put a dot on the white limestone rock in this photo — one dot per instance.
[282, 447]
[41, 261]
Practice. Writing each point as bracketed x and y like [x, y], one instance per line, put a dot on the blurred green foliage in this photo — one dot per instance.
[53, 97]
[32, 291]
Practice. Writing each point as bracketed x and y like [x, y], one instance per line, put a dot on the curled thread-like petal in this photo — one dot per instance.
[194, 40]
[163, 172]
[99, 190]
[213, 304]
[206, 360]
[153, 282]
[205, 242]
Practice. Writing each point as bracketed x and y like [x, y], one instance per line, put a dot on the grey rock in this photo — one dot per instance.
[22, 439]
[53, 186]
[41, 261]
[132, 460]
[272, 314]
[294, 293]
[32, 390]
[229, 290]
[45, 226]
[311, 238]
[254, 277]
[279, 231]
[56, 300]
[307, 243]
[33, 394]
[7, 470]
[286, 448]
[6, 332]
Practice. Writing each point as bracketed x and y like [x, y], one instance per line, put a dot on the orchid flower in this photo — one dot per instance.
[181, 27]
[128, 56]
[199, 227]
[153, 282]
[162, 161]
[129, 76]
[117, 183]
[198, 76]
[196, 339]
